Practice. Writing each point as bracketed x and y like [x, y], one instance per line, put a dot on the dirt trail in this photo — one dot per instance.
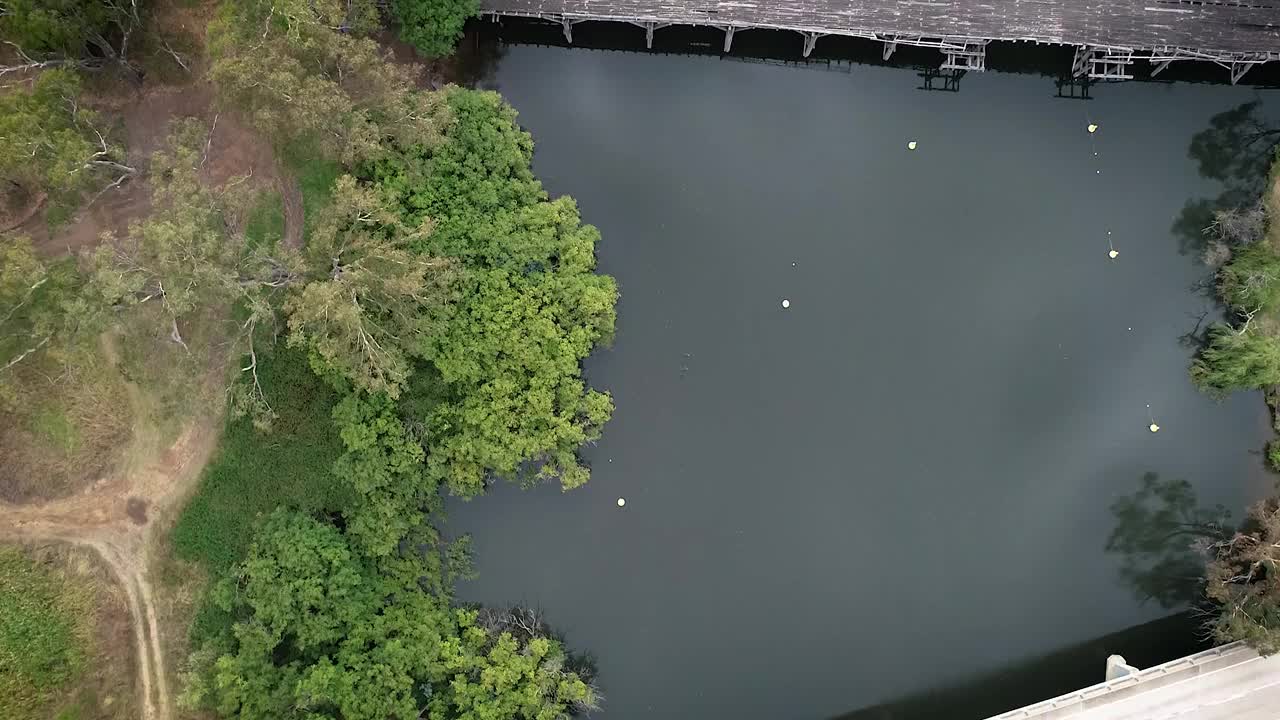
[99, 518]
[291, 197]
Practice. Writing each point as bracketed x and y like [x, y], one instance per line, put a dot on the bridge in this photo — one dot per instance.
[1230, 682]
[1109, 36]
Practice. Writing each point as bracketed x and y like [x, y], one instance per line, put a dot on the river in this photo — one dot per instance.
[902, 481]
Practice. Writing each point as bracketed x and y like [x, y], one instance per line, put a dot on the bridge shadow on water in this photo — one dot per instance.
[1047, 676]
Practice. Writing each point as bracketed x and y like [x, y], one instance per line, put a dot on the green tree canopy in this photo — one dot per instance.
[433, 26]
[1234, 360]
[371, 303]
[50, 144]
[70, 30]
[531, 306]
[1250, 282]
[284, 65]
[321, 631]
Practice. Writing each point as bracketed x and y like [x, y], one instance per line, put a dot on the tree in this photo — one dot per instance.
[189, 254]
[383, 463]
[45, 309]
[371, 303]
[70, 33]
[1244, 578]
[323, 633]
[357, 298]
[1236, 360]
[287, 66]
[1161, 533]
[1250, 281]
[1236, 150]
[433, 26]
[50, 144]
[531, 307]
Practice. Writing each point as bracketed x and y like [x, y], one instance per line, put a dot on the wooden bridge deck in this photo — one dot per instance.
[1215, 30]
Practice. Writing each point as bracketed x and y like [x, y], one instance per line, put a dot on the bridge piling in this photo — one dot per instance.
[810, 41]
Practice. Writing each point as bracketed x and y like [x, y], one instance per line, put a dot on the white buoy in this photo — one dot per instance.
[622, 501]
[786, 303]
[1093, 128]
[1113, 254]
[911, 145]
[1154, 427]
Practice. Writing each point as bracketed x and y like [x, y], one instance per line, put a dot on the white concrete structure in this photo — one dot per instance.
[1227, 683]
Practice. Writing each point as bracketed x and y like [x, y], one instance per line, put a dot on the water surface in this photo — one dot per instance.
[902, 481]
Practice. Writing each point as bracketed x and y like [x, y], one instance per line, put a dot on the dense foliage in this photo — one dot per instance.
[1250, 281]
[323, 630]
[42, 634]
[1244, 578]
[1234, 360]
[433, 27]
[70, 29]
[531, 306]
[282, 64]
[49, 144]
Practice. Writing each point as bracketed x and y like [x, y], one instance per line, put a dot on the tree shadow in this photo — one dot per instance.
[1160, 536]
[1236, 149]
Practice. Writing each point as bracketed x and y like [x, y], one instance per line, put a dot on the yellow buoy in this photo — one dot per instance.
[1154, 427]
[911, 145]
[1093, 128]
[1113, 254]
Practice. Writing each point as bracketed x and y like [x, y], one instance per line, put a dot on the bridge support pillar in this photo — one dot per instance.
[567, 25]
[810, 40]
[649, 26]
[728, 38]
[1161, 67]
[889, 47]
[1238, 69]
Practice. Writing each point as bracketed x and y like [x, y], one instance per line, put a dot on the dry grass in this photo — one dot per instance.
[64, 428]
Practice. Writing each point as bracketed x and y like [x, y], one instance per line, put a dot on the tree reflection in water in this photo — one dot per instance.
[1161, 535]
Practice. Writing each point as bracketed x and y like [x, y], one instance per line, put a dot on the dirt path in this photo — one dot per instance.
[291, 197]
[106, 518]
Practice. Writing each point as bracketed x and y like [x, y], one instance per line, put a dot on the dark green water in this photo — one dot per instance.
[901, 483]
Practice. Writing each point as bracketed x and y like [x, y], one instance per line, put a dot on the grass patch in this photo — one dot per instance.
[264, 226]
[316, 175]
[52, 425]
[45, 633]
[253, 473]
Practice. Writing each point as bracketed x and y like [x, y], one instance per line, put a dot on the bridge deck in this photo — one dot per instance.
[1217, 26]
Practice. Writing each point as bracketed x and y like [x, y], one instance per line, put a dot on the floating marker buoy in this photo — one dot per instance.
[622, 501]
[1099, 172]
[911, 145]
[1113, 254]
[1093, 128]
[1154, 427]
[786, 303]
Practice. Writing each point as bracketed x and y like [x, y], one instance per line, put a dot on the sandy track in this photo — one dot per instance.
[98, 518]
